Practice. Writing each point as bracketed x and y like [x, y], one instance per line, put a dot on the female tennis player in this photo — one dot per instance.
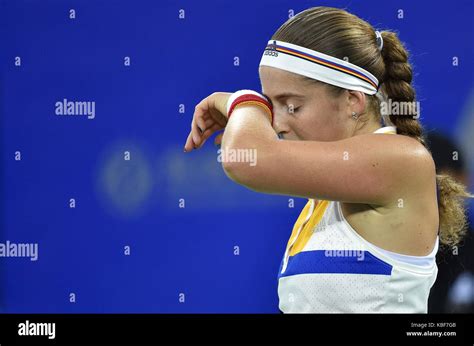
[367, 238]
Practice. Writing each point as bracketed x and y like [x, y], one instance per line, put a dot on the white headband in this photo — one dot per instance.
[319, 66]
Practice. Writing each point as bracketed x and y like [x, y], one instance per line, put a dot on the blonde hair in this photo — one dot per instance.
[343, 35]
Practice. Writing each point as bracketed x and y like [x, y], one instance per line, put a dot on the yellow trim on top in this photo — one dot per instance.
[299, 223]
[308, 228]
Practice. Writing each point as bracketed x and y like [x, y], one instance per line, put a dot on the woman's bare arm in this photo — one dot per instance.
[375, 169]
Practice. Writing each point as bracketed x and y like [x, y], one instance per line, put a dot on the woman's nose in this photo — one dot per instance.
[280, 124]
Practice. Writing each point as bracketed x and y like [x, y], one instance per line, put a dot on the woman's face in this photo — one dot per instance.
[304, 110]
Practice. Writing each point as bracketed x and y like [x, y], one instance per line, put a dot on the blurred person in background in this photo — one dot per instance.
[453, 291]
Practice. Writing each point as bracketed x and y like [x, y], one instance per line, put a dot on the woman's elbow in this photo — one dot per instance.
[234, 170]
[240, 162]
[242, 173]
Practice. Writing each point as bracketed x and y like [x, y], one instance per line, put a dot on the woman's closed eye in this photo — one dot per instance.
[293, 109]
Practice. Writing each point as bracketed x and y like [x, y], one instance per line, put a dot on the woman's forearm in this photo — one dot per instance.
[248, 134]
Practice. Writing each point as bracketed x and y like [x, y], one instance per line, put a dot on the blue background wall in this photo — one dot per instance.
[135, 203]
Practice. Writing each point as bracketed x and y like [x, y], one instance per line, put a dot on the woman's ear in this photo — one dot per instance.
[357, 101]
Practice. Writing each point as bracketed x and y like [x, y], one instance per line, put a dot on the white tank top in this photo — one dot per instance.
[328, 268]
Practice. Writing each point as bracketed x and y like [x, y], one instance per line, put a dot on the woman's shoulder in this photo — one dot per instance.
[413, 164]
[413, 152]
[405, 149]
[406, 165]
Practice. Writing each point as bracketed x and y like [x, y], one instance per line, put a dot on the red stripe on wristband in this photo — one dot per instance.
[254, 100]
